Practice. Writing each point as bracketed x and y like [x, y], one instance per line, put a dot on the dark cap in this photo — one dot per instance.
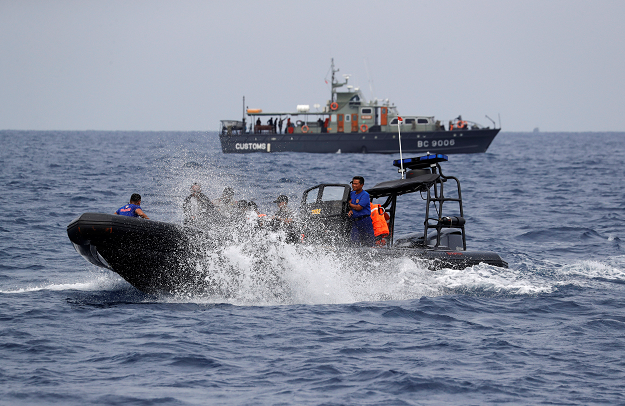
[282, 198]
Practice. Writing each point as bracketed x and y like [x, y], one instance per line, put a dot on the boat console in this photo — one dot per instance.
[324, 207]
[324, 212]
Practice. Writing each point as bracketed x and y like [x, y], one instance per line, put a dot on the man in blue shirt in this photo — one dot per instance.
[133, 209]
[360, 213]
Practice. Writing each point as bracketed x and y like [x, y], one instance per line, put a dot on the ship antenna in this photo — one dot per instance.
[370, 81]
[332, 83]
[401, 157]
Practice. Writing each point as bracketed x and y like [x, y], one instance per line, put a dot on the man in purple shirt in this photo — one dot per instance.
[360, 213]
[133, 209]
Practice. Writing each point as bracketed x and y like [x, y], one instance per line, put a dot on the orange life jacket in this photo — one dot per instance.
[379, 222]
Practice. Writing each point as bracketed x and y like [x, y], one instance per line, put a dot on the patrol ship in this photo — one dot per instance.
[348, 123]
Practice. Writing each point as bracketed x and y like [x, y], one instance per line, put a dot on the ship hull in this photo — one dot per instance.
[444, 142]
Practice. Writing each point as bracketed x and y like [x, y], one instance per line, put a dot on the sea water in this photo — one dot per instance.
[315, 326]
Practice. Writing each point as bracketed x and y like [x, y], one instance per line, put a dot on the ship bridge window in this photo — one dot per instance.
[355, 100]
[411, 121]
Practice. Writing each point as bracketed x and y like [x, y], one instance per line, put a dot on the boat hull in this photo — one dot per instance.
[158, 257]
[444, 142]
[150, 255]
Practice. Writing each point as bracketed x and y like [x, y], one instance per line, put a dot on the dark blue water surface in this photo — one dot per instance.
[548, 330]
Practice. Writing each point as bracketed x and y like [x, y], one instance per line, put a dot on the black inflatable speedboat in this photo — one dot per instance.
[157, 257]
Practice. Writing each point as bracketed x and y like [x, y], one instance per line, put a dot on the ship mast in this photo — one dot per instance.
[243, 119]
[335, 84]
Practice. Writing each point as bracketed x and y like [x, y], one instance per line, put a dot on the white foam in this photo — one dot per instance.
[270, 272]
[486, 278]
[94, 282]
[612, 269]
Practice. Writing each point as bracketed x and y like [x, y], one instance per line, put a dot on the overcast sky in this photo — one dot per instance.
[184, 65]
